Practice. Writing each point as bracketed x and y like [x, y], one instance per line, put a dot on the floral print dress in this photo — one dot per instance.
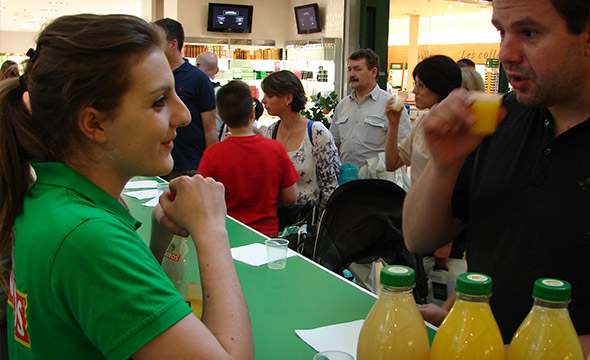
[318, 165]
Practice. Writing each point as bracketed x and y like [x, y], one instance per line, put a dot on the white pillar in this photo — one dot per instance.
[413, 49]
[171, 9]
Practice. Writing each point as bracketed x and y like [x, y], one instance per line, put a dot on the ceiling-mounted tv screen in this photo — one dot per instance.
[230, 18]
[308, 19]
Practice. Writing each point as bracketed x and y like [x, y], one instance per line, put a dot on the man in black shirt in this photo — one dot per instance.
[522, 194]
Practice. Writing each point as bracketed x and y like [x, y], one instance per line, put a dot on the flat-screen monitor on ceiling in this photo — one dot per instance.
[308, 19]
[230, 18]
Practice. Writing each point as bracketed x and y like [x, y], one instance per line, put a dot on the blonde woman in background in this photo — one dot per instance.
[471, 79]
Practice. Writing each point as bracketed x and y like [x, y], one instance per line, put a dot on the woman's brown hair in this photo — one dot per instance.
[282, 83]
[80, 61]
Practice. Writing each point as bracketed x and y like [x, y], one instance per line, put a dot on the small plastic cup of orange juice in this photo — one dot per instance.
[486, 109]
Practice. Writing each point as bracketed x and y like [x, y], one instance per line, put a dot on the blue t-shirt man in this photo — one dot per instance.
[195, 90]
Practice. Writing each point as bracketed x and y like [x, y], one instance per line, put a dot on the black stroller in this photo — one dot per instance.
[361, 223]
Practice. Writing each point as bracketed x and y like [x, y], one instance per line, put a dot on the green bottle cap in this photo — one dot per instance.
[397, 276]
[474, 284]
[552, 290]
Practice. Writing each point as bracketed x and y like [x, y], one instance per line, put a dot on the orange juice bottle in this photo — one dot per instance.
[469, 331]
[394, 328]
[180, 265]
[547, 332]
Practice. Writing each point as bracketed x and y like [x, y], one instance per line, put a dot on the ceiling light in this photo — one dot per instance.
[450, 7]
[59, 3]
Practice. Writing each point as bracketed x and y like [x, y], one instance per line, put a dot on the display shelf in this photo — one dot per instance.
[311, 60]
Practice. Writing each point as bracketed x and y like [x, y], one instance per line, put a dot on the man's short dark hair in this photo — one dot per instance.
[258, 108]
[234, 103]
[465, 63]
[439, 73]
[576, 13]
[173, 30]
[371, 58]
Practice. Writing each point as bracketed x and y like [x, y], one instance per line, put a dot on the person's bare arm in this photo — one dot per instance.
[427, 218]
[392, 159]
[198, 206]
[208, 119]
[585, 342]
[288, 195]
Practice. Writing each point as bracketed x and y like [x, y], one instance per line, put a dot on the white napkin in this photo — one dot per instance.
[254, 254]
[142, 184]
[142, 194]
[153, 202]
[343, 337]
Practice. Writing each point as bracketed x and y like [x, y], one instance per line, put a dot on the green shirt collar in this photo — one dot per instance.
[61, 175]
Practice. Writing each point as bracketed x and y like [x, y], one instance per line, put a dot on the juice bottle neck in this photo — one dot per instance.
[388, 290]
[551, 304]
[473, 298]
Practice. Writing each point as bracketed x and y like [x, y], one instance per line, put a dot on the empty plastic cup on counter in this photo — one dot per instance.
[333, 355]
[276, 251]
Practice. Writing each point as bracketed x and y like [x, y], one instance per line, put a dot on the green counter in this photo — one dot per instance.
[304, 295]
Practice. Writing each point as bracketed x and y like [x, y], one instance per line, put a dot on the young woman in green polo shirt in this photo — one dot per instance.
[96, 106]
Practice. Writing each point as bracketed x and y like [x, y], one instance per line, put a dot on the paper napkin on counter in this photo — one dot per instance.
[142, 184]
[153, 202]
[142, 194]
[254, 254]
[343, 337]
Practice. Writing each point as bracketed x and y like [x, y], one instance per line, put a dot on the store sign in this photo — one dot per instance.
[493, 63]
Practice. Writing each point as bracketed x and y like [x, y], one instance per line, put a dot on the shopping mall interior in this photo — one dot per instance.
[415, 29]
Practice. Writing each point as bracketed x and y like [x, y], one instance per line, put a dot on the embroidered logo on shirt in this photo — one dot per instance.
[18, 301]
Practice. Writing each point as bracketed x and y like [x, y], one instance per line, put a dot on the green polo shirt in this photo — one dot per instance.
[84, 285]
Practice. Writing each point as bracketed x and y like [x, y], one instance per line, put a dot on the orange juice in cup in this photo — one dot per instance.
[486, 109]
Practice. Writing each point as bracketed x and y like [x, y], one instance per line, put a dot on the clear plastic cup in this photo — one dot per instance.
[333, 355]
[276, 250]
[486, 109]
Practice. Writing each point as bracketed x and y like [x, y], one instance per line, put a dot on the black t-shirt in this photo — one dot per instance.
[525, 198]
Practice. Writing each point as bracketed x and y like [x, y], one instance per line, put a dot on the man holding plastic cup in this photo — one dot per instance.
[523, 193]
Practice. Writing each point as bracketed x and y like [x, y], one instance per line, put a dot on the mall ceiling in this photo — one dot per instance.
[30, 15]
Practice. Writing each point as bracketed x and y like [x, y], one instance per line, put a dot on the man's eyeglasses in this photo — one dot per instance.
[419, 85]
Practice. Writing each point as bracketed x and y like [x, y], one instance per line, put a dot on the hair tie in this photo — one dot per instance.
[32, 54]
[22, 83]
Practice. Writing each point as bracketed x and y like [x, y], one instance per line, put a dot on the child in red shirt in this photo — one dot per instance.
[257, 172]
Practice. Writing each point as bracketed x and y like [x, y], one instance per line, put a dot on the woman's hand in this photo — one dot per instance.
[195, 203]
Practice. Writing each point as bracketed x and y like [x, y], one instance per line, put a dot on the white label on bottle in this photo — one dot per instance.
[552, 282]
[477, 277]
[398, 270]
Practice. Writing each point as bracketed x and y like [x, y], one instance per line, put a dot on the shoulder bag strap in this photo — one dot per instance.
[275, 130]
[309, 131]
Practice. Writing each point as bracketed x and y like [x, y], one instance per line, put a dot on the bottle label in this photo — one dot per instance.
[171, 255]
[552, 282]
[477, 277]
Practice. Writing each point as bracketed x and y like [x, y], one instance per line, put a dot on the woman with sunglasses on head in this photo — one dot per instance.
[96, 106]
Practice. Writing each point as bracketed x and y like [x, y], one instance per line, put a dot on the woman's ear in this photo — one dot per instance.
[289, 98]
[90, 122]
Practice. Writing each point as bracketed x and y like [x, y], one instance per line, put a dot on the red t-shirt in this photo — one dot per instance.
[253, 170]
